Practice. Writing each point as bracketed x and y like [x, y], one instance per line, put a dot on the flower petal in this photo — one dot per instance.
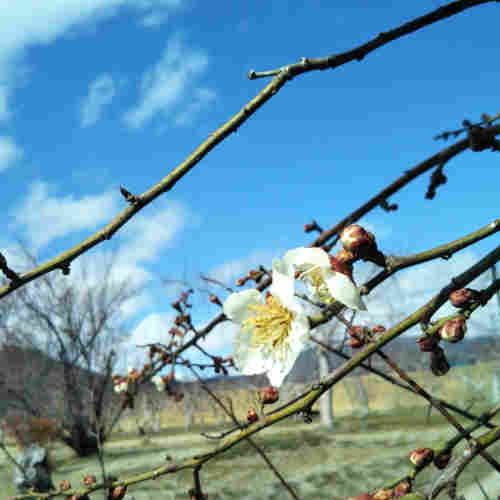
[283, 284]
[312, 256]
[280, 369]
[299, 332]
[235, 307]
[250, 361]
[343, 290]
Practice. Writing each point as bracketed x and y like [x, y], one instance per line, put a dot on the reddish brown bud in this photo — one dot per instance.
[118, 493]
[355, 343]
[439, 363]
[378, 329]
[421, 457]
[463, 297]
[341, 267]
[254, 274]
[383, 494]
[441, 460]
[215, 300]
[345, 257]
[89, 480]
[241, 281]
[402, 489]
[453, 330]
[428, 344]
[354, 237]
[269, 395]
[311, 227]
[176, 305]
[252, 415]
[64, 485]
[192, 495]
[359, 336]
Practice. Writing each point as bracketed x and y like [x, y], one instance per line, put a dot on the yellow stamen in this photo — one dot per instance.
[270, 326]
[316, 278]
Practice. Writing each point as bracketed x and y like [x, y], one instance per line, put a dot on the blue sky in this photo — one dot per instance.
[101, 93]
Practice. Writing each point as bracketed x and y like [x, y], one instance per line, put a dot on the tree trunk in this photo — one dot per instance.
[326, 400]
[83, 438]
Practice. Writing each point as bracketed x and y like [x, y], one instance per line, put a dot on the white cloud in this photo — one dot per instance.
[153, 328]
[9, 152]
[101, 92]
[160, 10]
[220, 338]
[45, 217]
[169, 82]
[147, 235]
[25, 23]
[202, 98]
[232, 270]
[154, 19]
[4, 94]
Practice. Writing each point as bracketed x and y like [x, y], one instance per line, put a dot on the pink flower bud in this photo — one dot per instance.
[269, 395]
[118, 493]
[355, 343]
[453, 330]
[428, 344]
[89, 480]
[341, 267]
[463, 297]
[252, 415]
[383, 494]
[345, 256]
[215, 300]
[64, 485]
[354, 237]
[402, 489]
[421, 457]
[359, 336]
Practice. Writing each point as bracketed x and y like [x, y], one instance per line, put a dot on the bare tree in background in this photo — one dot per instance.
[60, 343]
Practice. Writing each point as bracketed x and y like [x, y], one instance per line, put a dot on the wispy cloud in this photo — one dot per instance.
[165, 86]
[44, 216]
[202, 98]
[25, 23]
[101, 92]
[9, 152]
[154, 19]
[147, 235]
[230, 271]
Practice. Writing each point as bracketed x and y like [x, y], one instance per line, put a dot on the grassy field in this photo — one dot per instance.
[359, 455]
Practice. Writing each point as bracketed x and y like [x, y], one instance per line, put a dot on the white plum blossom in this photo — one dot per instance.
[273, 330]
[158, 382]
[323, 282]
[121, 386]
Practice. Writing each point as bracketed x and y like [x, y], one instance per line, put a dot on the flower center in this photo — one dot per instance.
[271, 325]
[315, 277]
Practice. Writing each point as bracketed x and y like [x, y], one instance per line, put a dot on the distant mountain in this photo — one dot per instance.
[403, 350]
